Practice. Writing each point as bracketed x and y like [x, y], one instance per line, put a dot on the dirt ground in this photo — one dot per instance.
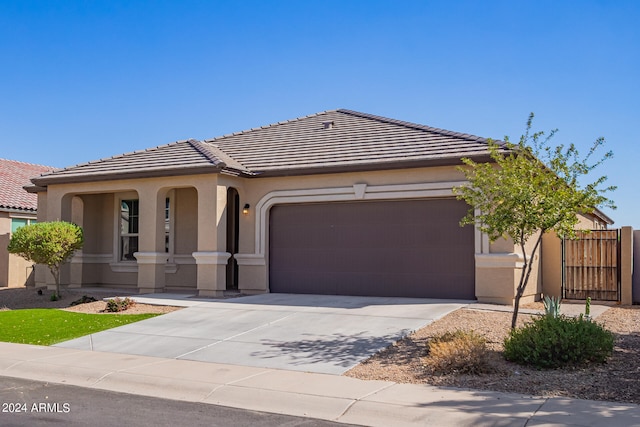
[617, 380]
[18, 298]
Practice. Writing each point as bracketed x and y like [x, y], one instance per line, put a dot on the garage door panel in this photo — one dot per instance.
[391, 248]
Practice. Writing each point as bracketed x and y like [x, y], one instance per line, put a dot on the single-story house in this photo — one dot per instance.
[17, 208]
[338, 202]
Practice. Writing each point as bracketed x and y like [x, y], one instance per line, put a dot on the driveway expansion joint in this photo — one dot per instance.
[358, 399]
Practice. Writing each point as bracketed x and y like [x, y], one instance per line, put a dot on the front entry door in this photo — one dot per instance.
[233, 234]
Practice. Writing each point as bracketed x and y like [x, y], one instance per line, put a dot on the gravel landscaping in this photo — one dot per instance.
[618, 380]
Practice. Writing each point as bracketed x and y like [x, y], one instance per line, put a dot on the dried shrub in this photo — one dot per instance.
[462, 352]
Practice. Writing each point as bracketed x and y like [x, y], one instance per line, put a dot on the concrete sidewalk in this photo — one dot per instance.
[329, 397]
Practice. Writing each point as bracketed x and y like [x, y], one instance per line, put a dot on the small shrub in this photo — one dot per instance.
[460, 351]
[85, 299]
[550, 342]
[116, 305]
[54, 297]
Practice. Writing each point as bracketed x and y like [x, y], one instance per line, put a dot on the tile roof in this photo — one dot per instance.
[178, 158]
[337, 140]
[14, 176]
[344, 139]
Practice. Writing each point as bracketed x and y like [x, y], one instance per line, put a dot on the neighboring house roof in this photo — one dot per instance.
[331, 141]
[14, 176]
[598, 214]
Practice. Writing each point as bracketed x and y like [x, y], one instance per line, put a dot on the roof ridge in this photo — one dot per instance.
[412, 125]
[202, 149]
[2, 159]
[246, 131]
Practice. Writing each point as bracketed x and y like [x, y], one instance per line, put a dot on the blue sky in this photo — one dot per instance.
[83, 80]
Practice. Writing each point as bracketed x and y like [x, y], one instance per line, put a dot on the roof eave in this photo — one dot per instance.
[602, 216]
[43, 182]
[18, 210]
[407, 164]
[33, 189]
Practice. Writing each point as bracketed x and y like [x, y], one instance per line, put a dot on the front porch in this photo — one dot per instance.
[145, 236]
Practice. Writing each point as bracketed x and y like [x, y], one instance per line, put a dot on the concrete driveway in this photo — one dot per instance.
[313, 333]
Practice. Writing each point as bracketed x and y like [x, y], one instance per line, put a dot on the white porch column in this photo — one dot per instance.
[211, 273]
[75, 264]
[211, 256]
[150, 271]
[151, 256]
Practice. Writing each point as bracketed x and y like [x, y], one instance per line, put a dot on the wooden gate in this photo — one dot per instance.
[590, 266]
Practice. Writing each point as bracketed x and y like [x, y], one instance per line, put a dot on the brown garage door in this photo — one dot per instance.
[412, 248]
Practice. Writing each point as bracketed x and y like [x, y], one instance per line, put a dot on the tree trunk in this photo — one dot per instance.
[56, 276]
[524, 278]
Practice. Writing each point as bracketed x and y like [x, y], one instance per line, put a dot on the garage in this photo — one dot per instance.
[403, 248]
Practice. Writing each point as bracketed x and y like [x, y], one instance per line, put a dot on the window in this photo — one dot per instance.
[129, 228]
[167, 224]
[129, 222]
[20, 222]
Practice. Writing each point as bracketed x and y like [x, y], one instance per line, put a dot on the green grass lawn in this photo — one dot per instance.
[46, 326]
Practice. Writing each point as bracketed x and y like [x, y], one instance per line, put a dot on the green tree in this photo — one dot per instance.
[531, 188]
[49, 243]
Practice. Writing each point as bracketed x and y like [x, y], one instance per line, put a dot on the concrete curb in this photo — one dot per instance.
[329, 397]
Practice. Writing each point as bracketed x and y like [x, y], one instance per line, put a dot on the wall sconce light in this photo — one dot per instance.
[245, 209]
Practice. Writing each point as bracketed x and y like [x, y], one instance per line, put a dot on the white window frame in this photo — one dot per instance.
[120, 265]
[120, 235]
[30, 220]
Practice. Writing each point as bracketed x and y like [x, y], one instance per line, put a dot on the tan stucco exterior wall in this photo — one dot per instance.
[5, 237]
[198, 241]
[498, 273]
[15, 271]
[626, 266]
[99, 217]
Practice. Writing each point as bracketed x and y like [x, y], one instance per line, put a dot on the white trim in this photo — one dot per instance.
[359, 190]
[341, 194]
[80, 257]
[210, 258]
[22, 215]
[184, 259]
[124, 267]
[151, 257]
[499, 260]
[481, 239]
[132, 267]
[250, 259]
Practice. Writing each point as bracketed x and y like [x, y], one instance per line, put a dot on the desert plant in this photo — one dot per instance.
[536, 188]
[551, 306]
[460, 351]
[587, 308]
[116, 305]
[553, 342]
